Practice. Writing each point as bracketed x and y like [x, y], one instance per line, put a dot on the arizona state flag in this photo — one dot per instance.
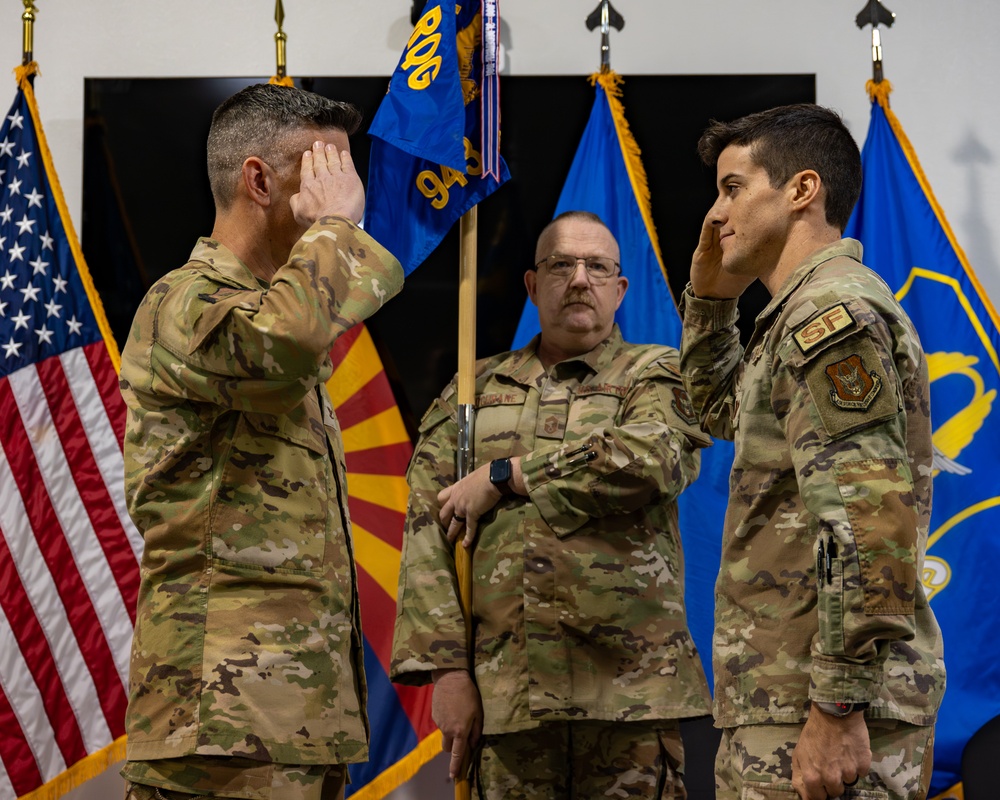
[435, 135]
[607, 178]
[908, 241]
[377, 449]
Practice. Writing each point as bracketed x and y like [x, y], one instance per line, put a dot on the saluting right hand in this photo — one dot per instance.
[709, 279]
[329, 186]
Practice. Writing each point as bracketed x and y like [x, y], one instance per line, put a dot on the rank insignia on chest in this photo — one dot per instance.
[854, 387]
[682, 406]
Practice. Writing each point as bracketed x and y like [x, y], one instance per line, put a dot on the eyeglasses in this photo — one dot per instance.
[599, 269]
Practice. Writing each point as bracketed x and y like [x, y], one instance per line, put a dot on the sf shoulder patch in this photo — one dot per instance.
[854, 387]
[819, 329]
[682, 406]
[849, 387]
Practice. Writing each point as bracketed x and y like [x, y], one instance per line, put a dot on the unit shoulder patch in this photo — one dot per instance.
[682, 406]
[822, 327]
[849, 387]
[854, 386]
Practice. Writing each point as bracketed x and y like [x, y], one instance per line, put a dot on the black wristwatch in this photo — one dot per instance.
[500, 476]
[840, 709]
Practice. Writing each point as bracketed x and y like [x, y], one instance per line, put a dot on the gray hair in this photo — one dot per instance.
[255, 122]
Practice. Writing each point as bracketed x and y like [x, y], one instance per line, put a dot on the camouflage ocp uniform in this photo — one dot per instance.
[248, 638]
[578, 588]
[819, 594]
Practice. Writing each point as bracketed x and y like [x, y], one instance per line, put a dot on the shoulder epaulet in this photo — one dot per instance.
[664, 359]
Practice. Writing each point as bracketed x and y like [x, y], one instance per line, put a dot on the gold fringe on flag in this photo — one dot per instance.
[879, 93]
[611, 82]
[955, 792]
[400, 772]
[286, 81]
[23, 74]
[82, 771]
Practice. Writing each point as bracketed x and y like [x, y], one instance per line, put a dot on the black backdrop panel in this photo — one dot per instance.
[146, 200]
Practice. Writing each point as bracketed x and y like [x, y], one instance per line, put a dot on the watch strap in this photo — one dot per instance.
[840, 709]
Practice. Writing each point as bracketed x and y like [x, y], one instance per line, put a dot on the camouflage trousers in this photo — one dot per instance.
[218, 777]
[754, 762]
[586, 759]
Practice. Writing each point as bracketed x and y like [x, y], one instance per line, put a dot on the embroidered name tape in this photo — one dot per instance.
[498, 399]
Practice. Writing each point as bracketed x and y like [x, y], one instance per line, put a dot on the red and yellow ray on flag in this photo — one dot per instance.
[377, 451]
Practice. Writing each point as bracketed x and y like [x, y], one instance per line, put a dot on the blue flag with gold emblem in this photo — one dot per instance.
[428, 157]
[607, 178]
[908, 241]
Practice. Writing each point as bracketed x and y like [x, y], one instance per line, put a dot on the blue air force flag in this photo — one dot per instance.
[423, 113]
[427, 158]
[908, 241]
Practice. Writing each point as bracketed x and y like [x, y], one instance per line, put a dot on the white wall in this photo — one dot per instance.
[941, 57]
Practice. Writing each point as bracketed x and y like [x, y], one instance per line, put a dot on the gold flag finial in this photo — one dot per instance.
[28, 26]
[279, 40]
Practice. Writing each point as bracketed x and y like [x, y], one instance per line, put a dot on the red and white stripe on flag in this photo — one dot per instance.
[68, 567]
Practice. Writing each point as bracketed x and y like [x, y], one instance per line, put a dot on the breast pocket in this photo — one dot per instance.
[271, 506]
[594, 408]
[498, 420]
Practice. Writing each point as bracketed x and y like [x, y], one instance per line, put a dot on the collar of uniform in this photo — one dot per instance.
[842, 247]
[524, 366]
[224, 262]
[603, 354]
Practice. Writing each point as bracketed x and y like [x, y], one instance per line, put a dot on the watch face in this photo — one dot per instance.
[841, 709]
[500, 470]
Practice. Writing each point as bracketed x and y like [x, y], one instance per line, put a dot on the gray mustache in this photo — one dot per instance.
[578, 297]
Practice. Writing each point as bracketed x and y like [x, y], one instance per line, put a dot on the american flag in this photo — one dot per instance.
[68, 550]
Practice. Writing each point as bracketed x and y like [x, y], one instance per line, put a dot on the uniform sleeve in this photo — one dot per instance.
[264, 350]
[846, 430]
[429, 632]
[649, 455]
[711, 357]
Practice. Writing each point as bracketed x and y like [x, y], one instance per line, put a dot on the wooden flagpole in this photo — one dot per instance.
[467, 280]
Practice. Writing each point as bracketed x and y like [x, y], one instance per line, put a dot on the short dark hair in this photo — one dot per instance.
[788, 139]
[255, 121]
